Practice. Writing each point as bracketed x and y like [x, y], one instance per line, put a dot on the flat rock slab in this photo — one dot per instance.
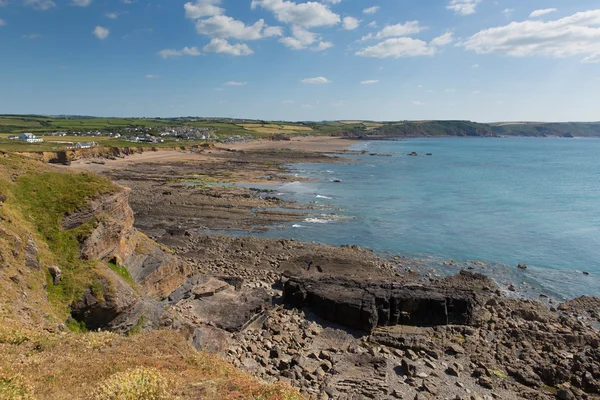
[229, 310]
[209, 288]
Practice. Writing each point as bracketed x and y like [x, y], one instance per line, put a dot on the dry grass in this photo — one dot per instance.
[160, 364]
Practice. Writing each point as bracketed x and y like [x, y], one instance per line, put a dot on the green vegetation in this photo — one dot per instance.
[123, 272]
[44, 197]
[228, 128]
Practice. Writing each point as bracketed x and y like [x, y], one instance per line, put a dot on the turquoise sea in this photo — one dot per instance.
[503, 201]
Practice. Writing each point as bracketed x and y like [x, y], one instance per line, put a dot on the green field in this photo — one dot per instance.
[227, 128]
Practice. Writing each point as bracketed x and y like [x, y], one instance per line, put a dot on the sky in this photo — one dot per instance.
[479, 60]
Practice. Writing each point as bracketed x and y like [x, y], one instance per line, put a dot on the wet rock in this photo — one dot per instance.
[522, 266]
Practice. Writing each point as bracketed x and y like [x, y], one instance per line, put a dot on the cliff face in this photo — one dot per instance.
[66, 156]
[113, 239]
[68, 249]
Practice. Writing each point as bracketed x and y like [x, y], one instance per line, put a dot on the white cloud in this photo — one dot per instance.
[418, 103]
[186, 51]
[350, 23]
[322, 46]
[369, 82]
[372, 24]
[405, 47]
[151, 76]
[316, 81]
[40, 5]
[475, 66]
[223, 46]
[234, 83]
[371, 10]
[101, 32]
[302, 39]
[81, 3]
[112, 15]
[332, 1]
[409, 28]
[569, 36]
[306, 15]
[202, 8]
[443, 40]
[2, 22]
[223, 27]
[508, 12]
[594, 58]
[463, 7]
[539, 13]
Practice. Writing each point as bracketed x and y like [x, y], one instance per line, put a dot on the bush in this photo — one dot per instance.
[14, 388]
[137, 384]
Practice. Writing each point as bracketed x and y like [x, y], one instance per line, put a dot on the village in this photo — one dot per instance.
[134, 135]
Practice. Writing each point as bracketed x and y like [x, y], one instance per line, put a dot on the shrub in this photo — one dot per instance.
[137, 384]
[14, 388]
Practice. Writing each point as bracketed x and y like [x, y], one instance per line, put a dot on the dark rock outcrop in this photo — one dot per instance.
[365, 306]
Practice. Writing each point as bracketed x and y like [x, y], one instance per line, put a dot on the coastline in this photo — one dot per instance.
[177, 200]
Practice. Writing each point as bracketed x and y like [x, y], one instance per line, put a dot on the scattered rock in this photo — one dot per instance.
[522, 266]
[56, 274]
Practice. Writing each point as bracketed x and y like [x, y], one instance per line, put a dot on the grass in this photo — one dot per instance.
[109, 366]
[43, 197]
[123, 272]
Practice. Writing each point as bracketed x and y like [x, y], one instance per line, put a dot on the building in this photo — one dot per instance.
[85, 145]
[29, 138]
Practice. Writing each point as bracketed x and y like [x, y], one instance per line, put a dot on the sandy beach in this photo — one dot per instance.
[311, 144]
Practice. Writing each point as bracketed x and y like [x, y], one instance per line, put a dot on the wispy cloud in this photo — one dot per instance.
[40, 5]
[371, 10]
[223, 46]
[152, 76]
[369, 82]
[236, 83]
[544, 11]
[186, 51]
[574, 35]
[112, 15]
[463, 7]
[316, 81]
[418, 103]
[81, 3]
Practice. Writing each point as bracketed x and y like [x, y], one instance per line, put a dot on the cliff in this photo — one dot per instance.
[72, 262]
[67, 156]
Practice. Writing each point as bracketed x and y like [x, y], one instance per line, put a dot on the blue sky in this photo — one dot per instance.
[482, 60]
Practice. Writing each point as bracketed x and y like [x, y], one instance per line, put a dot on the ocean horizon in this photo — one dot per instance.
[496, 202]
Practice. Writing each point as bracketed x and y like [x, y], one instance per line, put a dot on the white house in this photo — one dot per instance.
[85, 145]
[29, 138]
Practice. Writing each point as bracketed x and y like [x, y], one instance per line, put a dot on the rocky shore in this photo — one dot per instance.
[341, 322]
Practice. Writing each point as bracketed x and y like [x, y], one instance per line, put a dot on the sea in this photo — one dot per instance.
[489, 203]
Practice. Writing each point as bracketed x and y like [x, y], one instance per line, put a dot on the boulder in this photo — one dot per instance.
[367, 305]
[56, 274]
